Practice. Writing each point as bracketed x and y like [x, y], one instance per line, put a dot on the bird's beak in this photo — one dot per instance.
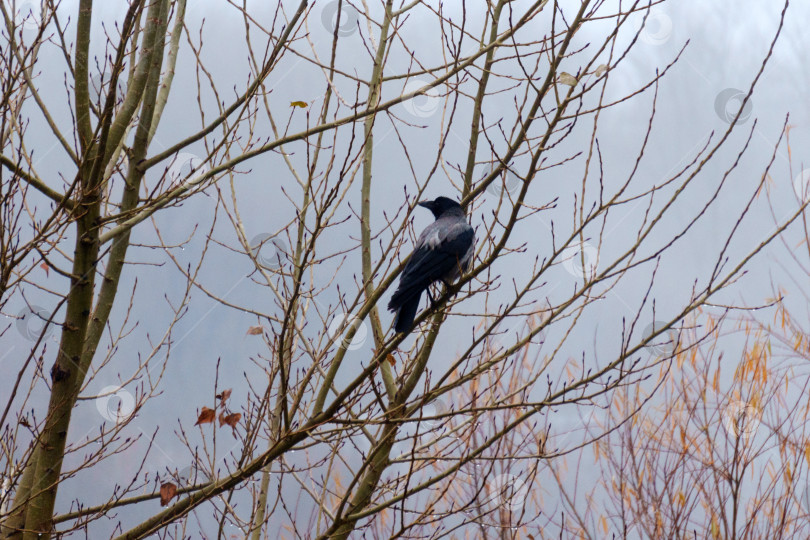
[425, 204]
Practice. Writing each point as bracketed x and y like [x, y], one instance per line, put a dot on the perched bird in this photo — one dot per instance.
[443, 252]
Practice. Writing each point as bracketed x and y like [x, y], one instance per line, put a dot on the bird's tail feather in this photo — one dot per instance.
[407, 313]
[406, 292]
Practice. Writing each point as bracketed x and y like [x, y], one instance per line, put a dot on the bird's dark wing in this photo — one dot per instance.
[441, 247]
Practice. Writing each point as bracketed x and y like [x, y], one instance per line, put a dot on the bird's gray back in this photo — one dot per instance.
[442, 233]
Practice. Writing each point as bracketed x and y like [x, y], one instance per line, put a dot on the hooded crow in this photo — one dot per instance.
[443, 252]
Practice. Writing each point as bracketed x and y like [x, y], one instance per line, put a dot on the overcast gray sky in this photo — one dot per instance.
[727, 41]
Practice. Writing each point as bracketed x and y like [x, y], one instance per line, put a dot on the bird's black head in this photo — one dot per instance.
[441, 205]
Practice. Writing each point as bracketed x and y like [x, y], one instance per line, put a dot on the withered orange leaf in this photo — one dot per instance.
[301, 104]
[254, 331]
[167, 493]
[224, 395]
[47, 269]
[230, 419]
[206, 416]
[391, 359]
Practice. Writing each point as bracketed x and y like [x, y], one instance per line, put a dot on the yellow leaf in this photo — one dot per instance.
[301, 104]
[715, 528]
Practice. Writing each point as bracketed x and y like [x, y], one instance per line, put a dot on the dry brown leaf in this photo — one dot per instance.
[167, 493]
[206, 416]
[301, 104]
[47, 269]
[391, 359]
[254, 331]
[230, 419]
[224, 395]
